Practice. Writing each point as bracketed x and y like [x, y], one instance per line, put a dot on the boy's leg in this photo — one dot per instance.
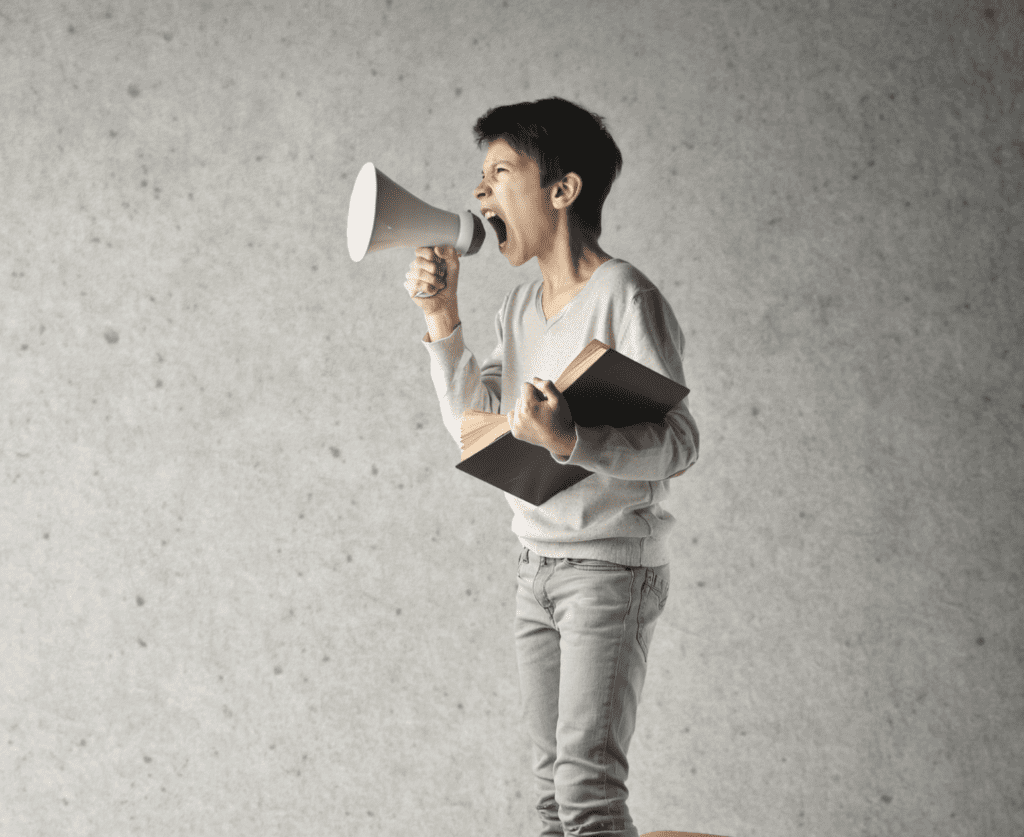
[605, 615]
[537, 653]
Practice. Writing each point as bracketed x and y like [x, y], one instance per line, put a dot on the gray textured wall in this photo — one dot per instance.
[244, 591]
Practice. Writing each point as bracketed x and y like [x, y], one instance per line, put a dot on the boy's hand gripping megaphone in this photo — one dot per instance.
[381, 215]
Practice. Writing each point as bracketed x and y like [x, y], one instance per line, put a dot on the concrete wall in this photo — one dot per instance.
[244, 591]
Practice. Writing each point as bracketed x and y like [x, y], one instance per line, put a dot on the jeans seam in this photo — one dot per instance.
[644, 591]
[546, 603]
[615, 691]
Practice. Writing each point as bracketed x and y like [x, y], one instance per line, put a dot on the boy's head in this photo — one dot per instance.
[561, 137]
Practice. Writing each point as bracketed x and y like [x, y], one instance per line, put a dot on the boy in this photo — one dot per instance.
[593, 573]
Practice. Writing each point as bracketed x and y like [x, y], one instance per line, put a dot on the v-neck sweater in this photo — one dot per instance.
[615, 514]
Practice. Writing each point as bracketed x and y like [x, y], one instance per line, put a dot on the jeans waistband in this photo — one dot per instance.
[658, 576]
[531, 557]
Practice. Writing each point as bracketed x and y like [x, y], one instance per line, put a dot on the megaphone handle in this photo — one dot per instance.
[442, 275]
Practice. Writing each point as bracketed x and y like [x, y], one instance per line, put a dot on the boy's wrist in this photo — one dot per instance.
[441, 324]
[564, 443]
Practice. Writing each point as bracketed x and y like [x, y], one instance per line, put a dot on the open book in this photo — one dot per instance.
[602, 387]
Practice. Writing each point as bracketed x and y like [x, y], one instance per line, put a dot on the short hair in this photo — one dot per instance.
[561, 137]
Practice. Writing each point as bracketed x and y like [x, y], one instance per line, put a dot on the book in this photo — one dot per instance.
[602, 387]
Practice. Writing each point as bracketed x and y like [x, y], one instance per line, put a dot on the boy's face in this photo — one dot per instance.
[512, 199]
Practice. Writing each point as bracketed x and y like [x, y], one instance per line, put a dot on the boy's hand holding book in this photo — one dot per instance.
[542, 417]
[600, 387]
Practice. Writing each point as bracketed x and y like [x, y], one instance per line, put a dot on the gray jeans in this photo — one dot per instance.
[583, 628]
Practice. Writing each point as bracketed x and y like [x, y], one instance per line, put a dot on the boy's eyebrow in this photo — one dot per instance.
[498, 163]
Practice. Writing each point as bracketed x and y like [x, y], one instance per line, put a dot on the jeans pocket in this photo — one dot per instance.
[653, 596]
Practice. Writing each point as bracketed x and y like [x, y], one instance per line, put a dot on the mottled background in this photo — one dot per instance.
[244, 590]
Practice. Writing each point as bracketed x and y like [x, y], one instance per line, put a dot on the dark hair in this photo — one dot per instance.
[562, 137]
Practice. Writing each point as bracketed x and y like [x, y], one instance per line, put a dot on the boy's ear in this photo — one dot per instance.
[567, 190]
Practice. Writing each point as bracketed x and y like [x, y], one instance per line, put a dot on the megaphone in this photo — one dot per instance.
[381, 214]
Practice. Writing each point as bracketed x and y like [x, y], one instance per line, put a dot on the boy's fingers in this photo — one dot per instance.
[531, 394]
[546, 387]
[416, 282]
[414, 287]
[427, 264]
[544, 391]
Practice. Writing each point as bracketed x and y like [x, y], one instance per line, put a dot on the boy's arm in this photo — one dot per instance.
[459, 382]
[651, 451]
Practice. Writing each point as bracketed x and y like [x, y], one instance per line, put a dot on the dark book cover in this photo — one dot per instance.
[611, 390]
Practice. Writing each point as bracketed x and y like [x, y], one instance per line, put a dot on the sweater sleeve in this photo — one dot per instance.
[460, 382]
[650, 451]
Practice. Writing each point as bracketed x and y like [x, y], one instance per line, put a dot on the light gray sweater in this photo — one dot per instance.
[614, 515]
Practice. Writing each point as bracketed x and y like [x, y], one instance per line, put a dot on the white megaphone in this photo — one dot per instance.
[381, 214]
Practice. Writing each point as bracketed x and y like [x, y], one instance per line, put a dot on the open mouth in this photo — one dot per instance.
[500, 230]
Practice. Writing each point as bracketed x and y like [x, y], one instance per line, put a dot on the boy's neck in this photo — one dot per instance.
[562, 276]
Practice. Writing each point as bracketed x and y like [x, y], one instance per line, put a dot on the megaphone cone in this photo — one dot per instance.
[381, 215]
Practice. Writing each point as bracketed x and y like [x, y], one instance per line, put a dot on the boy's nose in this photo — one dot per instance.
[480, 192]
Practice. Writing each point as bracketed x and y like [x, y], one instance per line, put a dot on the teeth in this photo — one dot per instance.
[488, 214]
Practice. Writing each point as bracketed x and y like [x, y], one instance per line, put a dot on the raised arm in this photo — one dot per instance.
[433, 283]
[459, 381]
